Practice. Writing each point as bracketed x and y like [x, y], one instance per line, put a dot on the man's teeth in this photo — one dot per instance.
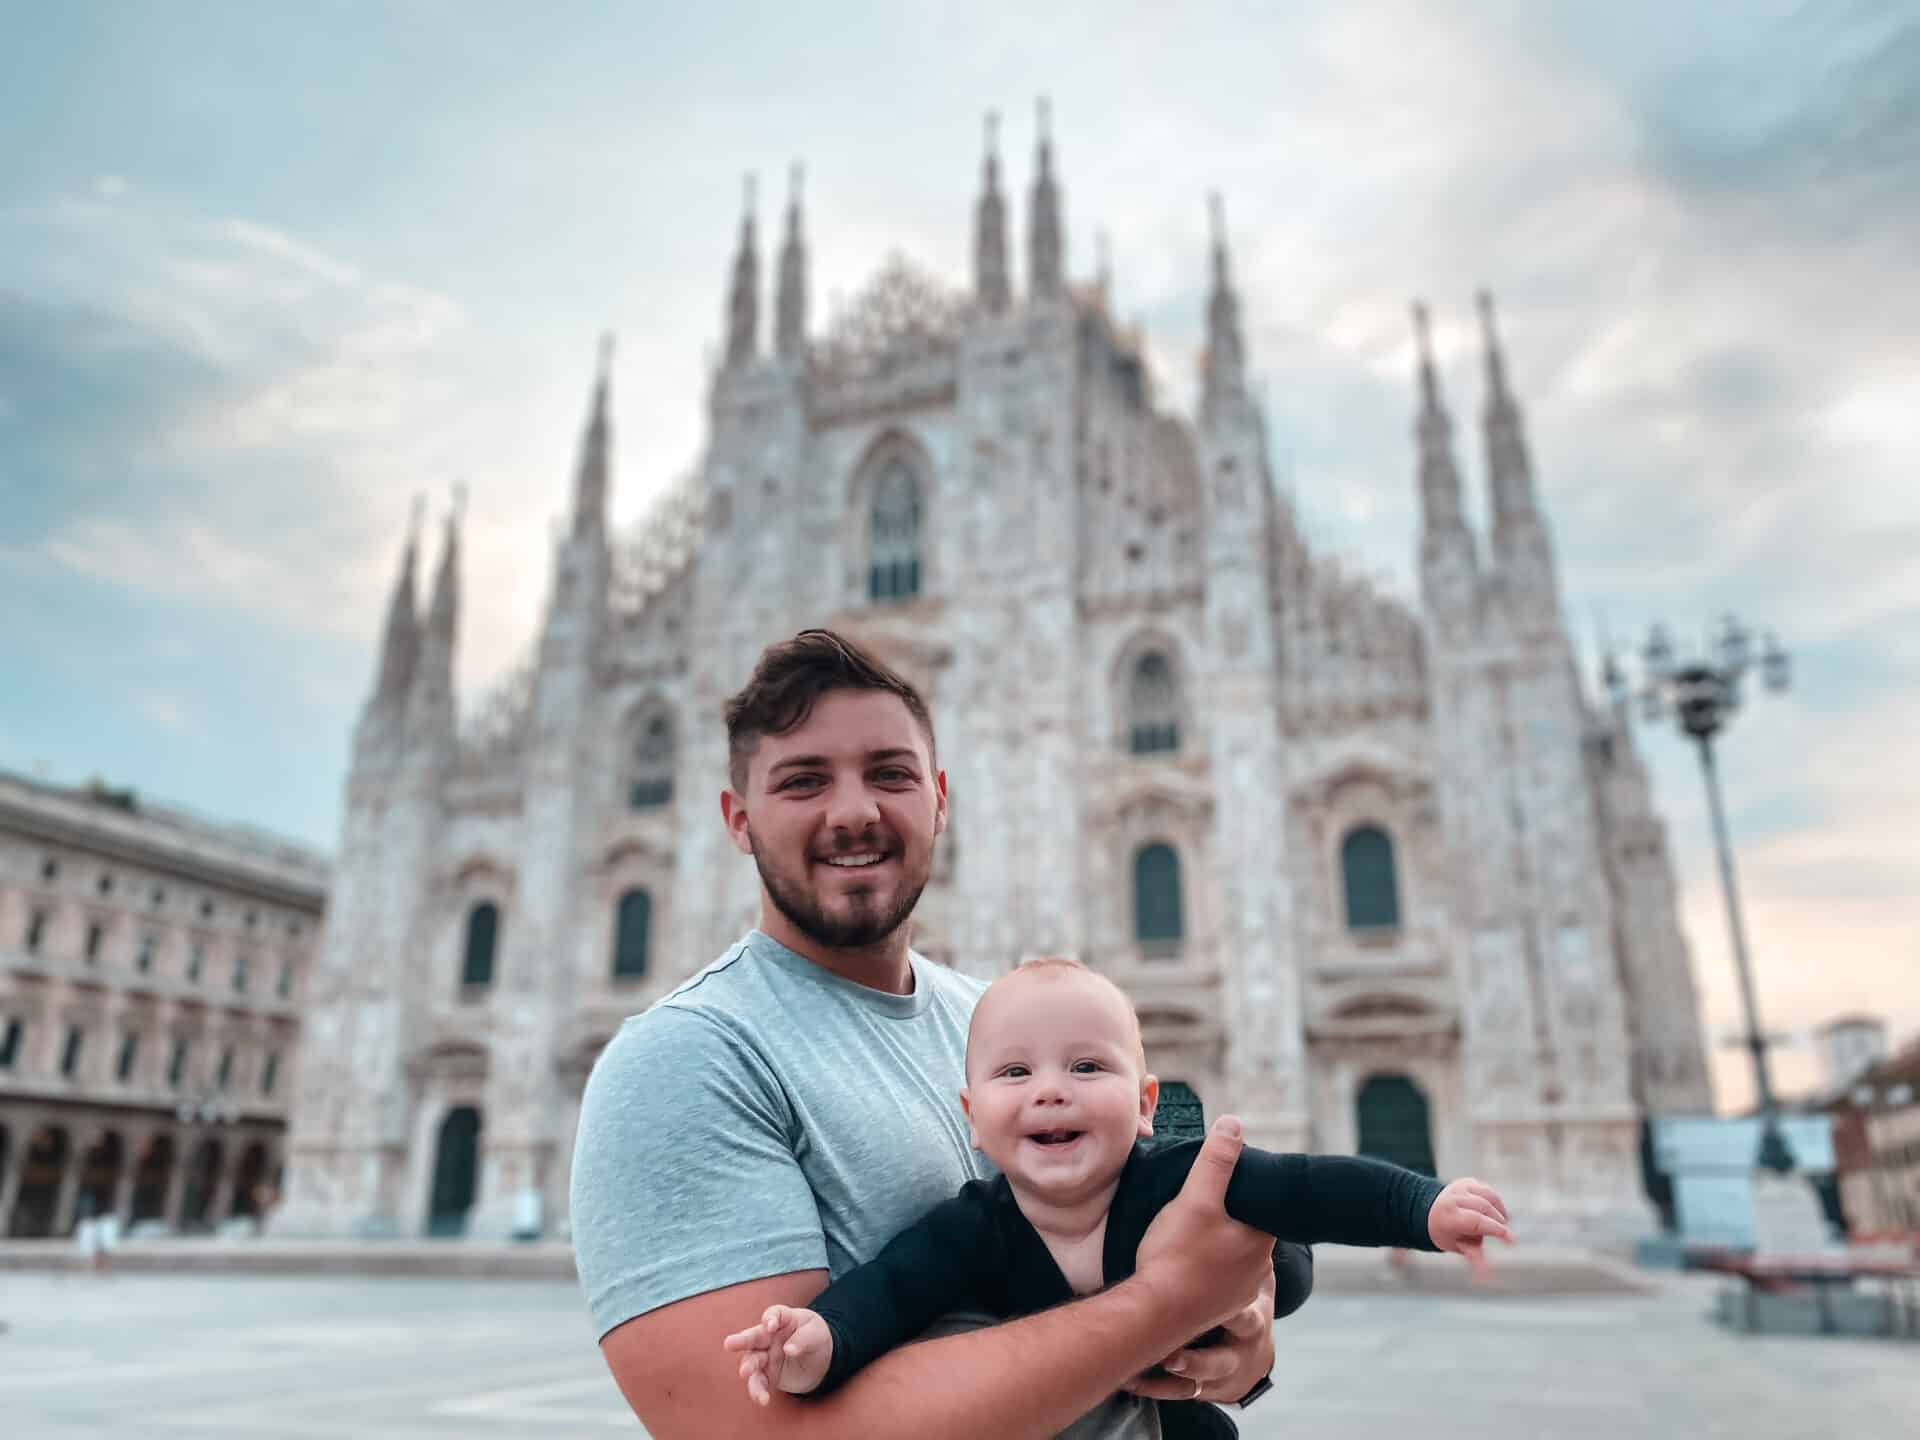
[853, 861]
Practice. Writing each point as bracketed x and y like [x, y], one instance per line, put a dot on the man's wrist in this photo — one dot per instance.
[1260, 1387]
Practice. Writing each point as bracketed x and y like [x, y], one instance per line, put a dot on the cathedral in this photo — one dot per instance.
[1378, 877]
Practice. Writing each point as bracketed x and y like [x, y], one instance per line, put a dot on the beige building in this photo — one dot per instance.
[151, 969]
[1378, 874]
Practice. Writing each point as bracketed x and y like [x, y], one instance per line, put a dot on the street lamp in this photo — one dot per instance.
[1702, 693]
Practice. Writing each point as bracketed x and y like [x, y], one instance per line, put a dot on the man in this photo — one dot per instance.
[785, 1112]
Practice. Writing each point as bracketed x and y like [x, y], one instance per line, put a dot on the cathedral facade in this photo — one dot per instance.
[1377, 876]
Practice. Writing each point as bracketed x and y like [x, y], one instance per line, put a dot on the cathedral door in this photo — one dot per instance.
[1393, 1122]
[455, 1163]
[1179, 1115]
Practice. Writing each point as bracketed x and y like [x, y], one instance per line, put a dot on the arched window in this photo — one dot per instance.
[1153, 706]
[1156, 898]
[632, 921]
[483, 938]
[893, 564]
[652, 783]
[1366, 866]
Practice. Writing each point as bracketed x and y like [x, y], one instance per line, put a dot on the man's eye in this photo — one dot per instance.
[894, 775]
[797, 781]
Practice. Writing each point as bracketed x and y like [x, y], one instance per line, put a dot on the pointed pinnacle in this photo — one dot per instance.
[1496, 364]
[606, 356]
[417, 518]
[1423, 347]
[459, 509]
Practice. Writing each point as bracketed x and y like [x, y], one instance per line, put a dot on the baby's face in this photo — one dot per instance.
[1057, 1090]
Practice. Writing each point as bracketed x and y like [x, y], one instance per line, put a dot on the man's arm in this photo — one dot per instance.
[1025, 1380]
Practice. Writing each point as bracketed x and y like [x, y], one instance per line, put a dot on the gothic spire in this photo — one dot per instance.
[400, 646]
[790, 316]
[743, 300]
[1225, 373]
[590, 482]
[1509, 470]
[1045, 267]
[990, 281]
[444, 611]
[1439, 477]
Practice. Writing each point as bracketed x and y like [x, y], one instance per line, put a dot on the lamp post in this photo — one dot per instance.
[205, 1109]
[1702, 693]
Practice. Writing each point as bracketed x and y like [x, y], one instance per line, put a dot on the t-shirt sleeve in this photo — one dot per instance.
[1337, 1199]
[930, 1269]
[684, 1177]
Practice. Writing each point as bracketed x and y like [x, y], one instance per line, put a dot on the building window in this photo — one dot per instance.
[652, 783]
[483, 938]
[157, 898]
[1157, 922]
[206, 909]
[283, 987]
[270, 1073]
[49, 869]
[633, 919]
[196, 961]
[893, 566]
[177, 1062]
[36, 931]
[143, 960]
[242, 965]
[70, 1053]
[106, 884]
[1153, 707]
[225, 1073]
[253, 918]
[96, 933]
[10, 1043]
[129, 1052]
[1366, 866]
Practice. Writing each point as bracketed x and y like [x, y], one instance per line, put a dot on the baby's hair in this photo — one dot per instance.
[1066, 965]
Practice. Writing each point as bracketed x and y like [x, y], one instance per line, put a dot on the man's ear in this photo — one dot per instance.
[966, 1109]
[939, 802]
[1149, 1102]
[733, 813]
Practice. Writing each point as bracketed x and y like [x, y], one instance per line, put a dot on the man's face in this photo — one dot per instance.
[840, 815]
[1056, 1089]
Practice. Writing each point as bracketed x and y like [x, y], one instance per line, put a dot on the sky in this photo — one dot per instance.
[269, 271]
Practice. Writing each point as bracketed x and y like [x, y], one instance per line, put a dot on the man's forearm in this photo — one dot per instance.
[1030, 1377]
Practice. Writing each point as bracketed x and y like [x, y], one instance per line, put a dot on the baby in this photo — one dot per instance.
[1058, 1097]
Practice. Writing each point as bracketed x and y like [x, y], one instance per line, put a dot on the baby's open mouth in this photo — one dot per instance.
[1056, 1137]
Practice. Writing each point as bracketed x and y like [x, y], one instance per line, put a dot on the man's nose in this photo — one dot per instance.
[852, 807]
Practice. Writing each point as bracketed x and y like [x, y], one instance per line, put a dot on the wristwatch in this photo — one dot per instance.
[1261, 1386]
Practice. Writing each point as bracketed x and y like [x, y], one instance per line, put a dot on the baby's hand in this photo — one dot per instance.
[1463, 1216]
[789, 1349]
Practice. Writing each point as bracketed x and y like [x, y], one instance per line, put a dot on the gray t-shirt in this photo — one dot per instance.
[768, 1116]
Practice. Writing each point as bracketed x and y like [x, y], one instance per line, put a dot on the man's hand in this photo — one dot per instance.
[788, 1350]
[1225, 1363]
[1463, 1216]
[1205, 1268]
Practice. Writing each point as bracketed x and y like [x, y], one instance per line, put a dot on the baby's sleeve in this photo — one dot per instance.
[934, 1267]
[1332, 1199]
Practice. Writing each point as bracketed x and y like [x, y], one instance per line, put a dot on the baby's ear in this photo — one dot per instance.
[1149, 1102]
[966, 1109]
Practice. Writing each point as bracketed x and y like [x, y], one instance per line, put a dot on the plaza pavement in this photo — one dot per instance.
[273, 1357]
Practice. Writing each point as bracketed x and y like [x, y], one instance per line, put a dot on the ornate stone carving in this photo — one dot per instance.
[904, 316]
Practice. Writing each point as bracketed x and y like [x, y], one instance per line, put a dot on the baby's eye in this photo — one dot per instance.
[1086, 1067]
[1015, 1072]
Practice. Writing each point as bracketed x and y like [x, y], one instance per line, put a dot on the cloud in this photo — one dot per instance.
[168, 712]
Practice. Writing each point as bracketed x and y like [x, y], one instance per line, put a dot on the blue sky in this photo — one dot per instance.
[267, 271]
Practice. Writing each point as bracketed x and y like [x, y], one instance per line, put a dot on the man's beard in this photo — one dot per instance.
[865, 926]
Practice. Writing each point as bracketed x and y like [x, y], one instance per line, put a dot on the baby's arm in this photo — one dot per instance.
[1353, 1200]
[788, 1350]
[933, 1267]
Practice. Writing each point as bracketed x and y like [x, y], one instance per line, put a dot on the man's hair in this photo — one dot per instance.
[1045, 966]
[790, 679]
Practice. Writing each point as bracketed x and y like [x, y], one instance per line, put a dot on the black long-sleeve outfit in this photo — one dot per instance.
[978, 1252]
